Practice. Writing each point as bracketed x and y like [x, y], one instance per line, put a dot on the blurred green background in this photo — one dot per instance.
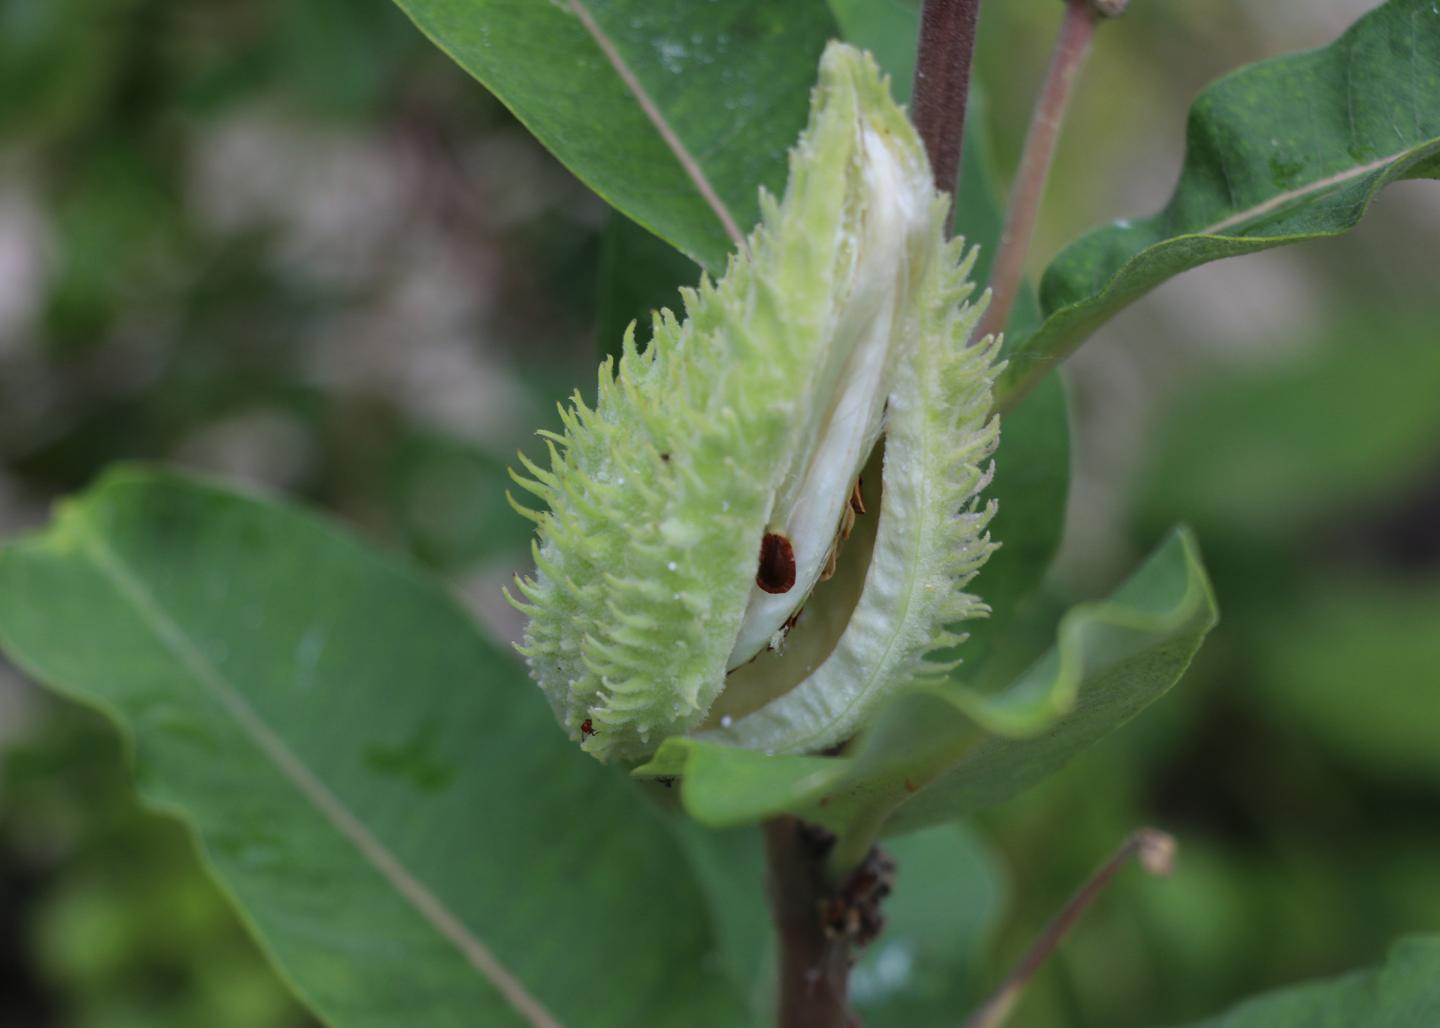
[286, 241]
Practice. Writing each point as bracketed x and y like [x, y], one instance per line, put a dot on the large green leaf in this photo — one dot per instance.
[381, 792]
[1403, 993]
[730, 80]
[936, 752]
[1280, 152]
[730, 868]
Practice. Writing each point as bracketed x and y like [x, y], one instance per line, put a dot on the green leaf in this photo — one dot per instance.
[1280, 152]
[730, 868]
[731, 81]
[937, 752]
[1403, 993]
[382, 793]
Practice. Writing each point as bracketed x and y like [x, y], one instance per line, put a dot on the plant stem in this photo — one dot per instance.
[1156, 853]
[814, 966]
[1071, 49]
[942, 83]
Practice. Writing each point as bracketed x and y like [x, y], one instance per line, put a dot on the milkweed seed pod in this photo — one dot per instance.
[701, 503]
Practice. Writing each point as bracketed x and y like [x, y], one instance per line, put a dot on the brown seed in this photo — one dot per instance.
[776, 573]
[853, 508]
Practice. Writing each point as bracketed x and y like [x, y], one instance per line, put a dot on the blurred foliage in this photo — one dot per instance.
[130, 932]
[288, 240]
[245, 333]
[1297, 762]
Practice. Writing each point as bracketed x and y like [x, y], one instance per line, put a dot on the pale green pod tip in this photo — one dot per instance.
[699, 505]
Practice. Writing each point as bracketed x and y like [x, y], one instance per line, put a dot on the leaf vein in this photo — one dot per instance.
[1299, 192]
[662, 125]
[174, 639]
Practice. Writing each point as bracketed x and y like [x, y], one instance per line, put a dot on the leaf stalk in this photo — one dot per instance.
[1072, 47]
[1155, 851]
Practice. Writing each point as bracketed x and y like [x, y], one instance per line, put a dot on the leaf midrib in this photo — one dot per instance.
[1314, 188]
[174, 640]
[694, 171]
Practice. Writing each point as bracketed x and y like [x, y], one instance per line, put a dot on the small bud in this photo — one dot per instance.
[1156, 852]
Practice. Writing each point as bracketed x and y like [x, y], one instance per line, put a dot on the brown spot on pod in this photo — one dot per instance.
[777, 564]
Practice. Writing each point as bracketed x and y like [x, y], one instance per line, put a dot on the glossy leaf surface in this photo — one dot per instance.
[731, 81]
[1283, 151]
[380, 790]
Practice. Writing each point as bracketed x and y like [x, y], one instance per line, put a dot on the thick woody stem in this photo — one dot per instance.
[942, 83]
[822, 920]
[814, 967]
[1071, 49]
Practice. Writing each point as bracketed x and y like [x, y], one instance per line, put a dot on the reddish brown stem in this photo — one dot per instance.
[1156, 852]
[942, 83]
[1071, 49]
[814, 966]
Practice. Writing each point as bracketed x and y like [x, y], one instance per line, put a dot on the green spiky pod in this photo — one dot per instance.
[698, 506]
